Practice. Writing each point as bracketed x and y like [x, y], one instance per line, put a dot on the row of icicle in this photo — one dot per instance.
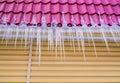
[56, 35]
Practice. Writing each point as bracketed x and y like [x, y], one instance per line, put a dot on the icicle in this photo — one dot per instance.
[74, 27]
[106, 43]
[4, 19]
[73, 21]
[62, 40]
[118, 27]
[13, 26]
[17, 33]
[34, 24]
[54, 23]
[26, 36]
[44, 24]
[50, 39]
[58, 41]
[37, 42]
[38, 45]
[64, 22]
[30, 34]
[6, 29]
[33, 21]
[23, 22]
[8, 35]
[54, 27]
[112, 30]
[64, 25]
[61, 36]
[103, 26]
[82, 43]
[84, 26]
[78, 39]
[119, 20]
[14, 19]
[26, 32]
[93, 26]
[82, 37]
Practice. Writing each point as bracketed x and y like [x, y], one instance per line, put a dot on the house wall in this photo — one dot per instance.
[69, 68]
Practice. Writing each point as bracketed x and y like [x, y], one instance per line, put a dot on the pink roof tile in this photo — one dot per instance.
[88, 1]
[73, 8]
[91, 9]
[105, 2]
[9, 15]
[54, 1]
[2, 5]
[28, 1]
[72, 1]
[80, 1]
[27, 7]
[100, 8]
[63, 1]
[9, 7]
[36, 8]
[113, 2]
[9, 0]
[38, 20]
[37, 1]
[82, 9]
[97, 2]
[53, 9]
[64, 8]
[46, 8]
[46, 1]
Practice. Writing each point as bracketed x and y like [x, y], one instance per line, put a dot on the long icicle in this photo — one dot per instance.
[63, 48]
[17, 33]
[73, 44]
[82, 43]
[60, 45]
[8, 34]
[106, 43]
[94, 25]
[73, 33]
[4, 21]
[113, 27]
[93, 43]
[78, 40]
[103, 26]
[56, 40]
[26, 37]
[39, 48]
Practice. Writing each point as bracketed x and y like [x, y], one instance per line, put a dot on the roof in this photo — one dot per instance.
[53, 9]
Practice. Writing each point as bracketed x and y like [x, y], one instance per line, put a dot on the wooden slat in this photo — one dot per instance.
[77, 73]
[15, 79]
[74, 68]
[13, 63]
[75, 79]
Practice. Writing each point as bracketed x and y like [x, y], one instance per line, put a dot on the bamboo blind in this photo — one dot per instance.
[104, 69]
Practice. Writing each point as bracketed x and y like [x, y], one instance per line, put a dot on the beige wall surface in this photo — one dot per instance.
[57, 66]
